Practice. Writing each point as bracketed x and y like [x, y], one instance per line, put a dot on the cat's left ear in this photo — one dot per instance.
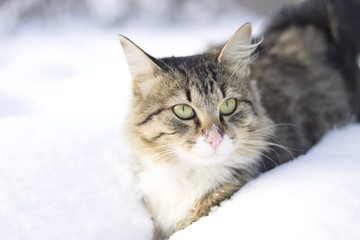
[238, 49]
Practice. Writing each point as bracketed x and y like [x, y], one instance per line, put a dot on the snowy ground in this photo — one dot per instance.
[63, 95]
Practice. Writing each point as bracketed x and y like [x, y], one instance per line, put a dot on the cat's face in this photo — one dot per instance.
[202, 109]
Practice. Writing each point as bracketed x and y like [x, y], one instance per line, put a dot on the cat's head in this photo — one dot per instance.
[201, 109]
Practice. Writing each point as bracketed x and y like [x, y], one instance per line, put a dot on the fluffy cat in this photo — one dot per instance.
[201, 126]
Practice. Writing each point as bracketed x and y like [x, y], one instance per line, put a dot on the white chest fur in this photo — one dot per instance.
[171, 190]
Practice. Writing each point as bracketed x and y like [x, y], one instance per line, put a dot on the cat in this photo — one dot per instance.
[202, 126]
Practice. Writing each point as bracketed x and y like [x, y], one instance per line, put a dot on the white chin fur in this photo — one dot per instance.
[203, 153]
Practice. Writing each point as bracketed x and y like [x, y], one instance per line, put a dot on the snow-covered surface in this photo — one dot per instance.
[63, 96]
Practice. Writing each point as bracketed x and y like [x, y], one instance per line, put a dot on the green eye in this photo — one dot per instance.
[228, 107]
[183, 111]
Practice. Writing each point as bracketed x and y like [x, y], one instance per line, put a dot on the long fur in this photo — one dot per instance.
[304, 81]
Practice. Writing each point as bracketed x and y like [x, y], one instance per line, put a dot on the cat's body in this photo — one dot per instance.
[202, 126]
[307, 72]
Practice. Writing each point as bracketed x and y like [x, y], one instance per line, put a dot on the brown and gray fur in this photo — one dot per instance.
[301, 81]
[311, 50]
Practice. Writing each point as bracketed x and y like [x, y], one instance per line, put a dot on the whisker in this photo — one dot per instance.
[264, 155]
[265, 136]
[287, 149]
[195, 67]
[236, 69]
[167, 66]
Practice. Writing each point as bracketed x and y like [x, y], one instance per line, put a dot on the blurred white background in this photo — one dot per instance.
[120, 12]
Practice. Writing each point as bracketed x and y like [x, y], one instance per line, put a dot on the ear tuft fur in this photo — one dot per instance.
[238, 49]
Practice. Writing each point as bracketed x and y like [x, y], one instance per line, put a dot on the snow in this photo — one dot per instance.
[64, 93]
[63, 171]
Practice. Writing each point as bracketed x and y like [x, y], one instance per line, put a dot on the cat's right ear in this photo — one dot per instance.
[141, 65]
[238, 49]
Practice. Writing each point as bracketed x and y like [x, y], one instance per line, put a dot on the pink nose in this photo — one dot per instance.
[214, 138]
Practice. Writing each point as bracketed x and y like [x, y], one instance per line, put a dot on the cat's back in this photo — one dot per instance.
[308, 60]
[307, 79]
[296, 79]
